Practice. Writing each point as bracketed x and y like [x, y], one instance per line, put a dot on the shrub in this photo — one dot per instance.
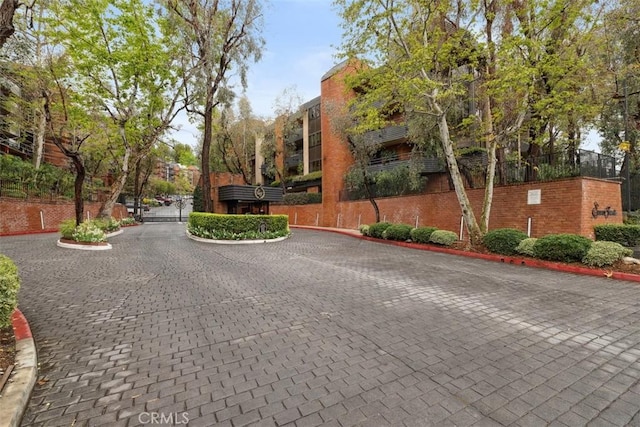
[127, 221]
[107, 225]
[503, 241]
[301, 198]
[605, 253]
[401, 232]
[198, 199]
[626, 235]
[66, 228]
[364, 229]
[9, 285]
[525, 247]
[376, 230]
[88, 232]
[562, 247]
[443, 237]
[422, 234]
[230, 226]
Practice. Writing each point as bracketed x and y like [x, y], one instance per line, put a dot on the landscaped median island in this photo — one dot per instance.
[91, 234]
[223, 228]
[610, 252]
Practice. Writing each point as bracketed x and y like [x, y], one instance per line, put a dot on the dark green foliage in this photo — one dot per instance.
[376, 230]
[422, 234]
[9, 285]
[198, 201]
[503, 241]
[302, 198]
[238, 223]
[562, 247]
[400, 232]
[626, 235]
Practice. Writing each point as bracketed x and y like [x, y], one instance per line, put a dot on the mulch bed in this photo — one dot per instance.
[7, 349]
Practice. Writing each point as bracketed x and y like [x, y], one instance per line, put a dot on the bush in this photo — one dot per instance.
[198, 199]
[107, 225]
[525, 247]
[66, 228]
[422, 234]
[562, 247]
[503, 241]
[9, 285]
[364, 230]
[443, 237]
[626, 235]
[605, 253]
[230, 227]
[400, 232]
[376, 230]
[127, 221]
[301, 198]
[89, 232]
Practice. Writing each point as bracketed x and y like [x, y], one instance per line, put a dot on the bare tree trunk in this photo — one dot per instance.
[77, 187]
[107, 206]
[207, 204]
[7, 10]
[136, 188]
[39, 151]
[475, 235]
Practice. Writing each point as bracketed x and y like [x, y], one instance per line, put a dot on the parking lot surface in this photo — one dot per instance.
[321, 329]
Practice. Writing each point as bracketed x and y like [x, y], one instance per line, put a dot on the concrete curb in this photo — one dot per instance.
[84, 247]
[15, 396]
[235, 242]
[526, 262]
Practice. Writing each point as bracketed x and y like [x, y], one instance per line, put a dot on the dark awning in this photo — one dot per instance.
[249, 193]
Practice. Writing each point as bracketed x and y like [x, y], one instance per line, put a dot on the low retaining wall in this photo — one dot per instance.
[564, 206]
[36, 216]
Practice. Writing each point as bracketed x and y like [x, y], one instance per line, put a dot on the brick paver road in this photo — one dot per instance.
[320, 329]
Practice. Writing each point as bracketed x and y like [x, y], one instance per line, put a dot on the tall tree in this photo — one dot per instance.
[124, 56]
[222, 37]
[236, 139]
[426, 58]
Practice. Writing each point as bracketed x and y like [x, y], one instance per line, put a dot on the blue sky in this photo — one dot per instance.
[301, 39]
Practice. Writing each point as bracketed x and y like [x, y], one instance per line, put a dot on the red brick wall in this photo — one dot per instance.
[336, 157]
[23, 216]
[565, 208]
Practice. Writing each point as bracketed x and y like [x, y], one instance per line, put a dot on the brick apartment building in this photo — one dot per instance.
[562, 205]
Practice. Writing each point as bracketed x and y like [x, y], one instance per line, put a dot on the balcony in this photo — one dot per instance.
[386, 135]
[293, 161]
[425, 165]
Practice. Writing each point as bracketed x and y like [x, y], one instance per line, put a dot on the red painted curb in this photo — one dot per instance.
[23, 233]
[526, 262]
[21, 329]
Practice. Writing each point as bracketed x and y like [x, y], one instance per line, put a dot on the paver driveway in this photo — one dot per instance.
[320, 329]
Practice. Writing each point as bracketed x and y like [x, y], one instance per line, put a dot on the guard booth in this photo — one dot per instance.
[248, 199]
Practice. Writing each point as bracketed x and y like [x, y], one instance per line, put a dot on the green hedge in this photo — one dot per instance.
[525, 247]
[376, 230]
[422, 234]
[562, 247]
[503, 241]
[400, 232]
[9, 285]
[238, 223]
[626, 235]
[301, 198]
